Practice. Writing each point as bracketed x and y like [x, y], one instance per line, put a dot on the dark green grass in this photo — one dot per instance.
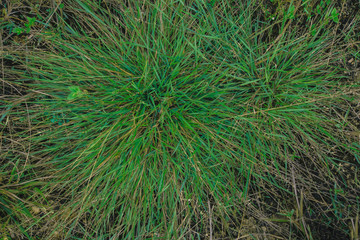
[165, 120]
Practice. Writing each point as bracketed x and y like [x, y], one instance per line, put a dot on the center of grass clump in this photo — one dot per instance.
[154, 96]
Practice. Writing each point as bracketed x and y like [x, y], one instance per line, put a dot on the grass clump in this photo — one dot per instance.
[172, 120]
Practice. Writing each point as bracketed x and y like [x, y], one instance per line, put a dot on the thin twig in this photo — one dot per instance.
[210, 221]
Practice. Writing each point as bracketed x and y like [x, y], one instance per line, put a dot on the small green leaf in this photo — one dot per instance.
[335, 15]
[313, 32]
[18, 30]
[291, 11]
[318, 9]
[75, 92]
[71, 96]
[322, 4]
[31, 21]
[74, 89]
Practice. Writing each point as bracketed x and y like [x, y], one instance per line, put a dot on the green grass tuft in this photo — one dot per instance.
[168, 120]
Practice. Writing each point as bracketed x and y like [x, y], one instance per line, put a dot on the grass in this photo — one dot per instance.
[174, 120]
